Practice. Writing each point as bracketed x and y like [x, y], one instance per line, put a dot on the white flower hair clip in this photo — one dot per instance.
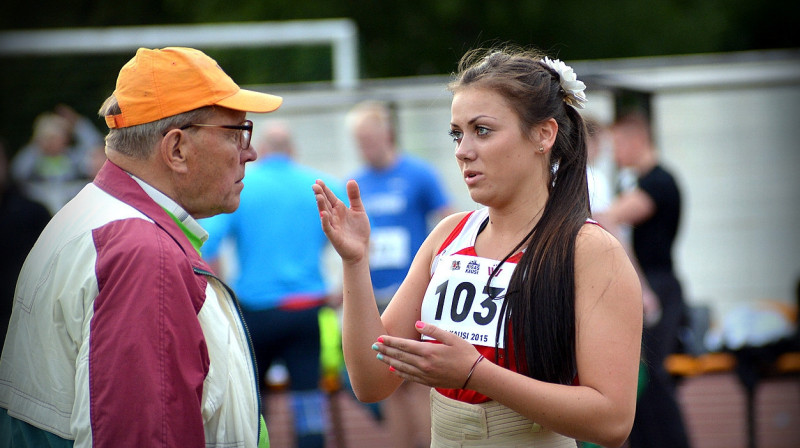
[572, 88]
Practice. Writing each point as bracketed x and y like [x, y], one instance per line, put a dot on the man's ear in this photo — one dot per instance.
[172, 150]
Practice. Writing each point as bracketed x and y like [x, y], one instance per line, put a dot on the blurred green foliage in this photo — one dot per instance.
[415, 37]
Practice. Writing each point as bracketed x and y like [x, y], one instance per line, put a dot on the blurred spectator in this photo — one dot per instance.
[21, 222]
[601, 192]
[402, 195]
[55, 165]
[279, 249]
[95, 160]
[652, 209]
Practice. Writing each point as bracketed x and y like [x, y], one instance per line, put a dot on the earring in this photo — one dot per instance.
[541, 149]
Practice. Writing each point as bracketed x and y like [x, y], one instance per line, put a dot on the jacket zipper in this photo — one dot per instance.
[249, 342]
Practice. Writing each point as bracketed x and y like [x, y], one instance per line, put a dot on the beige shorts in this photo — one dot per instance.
[491, 424]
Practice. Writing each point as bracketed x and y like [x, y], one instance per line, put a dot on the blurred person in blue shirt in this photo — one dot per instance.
[402, 195]
[278, 247]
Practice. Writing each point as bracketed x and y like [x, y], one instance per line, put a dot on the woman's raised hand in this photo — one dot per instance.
[346, 228]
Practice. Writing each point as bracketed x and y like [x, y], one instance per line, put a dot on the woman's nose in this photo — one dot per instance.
[464, 150]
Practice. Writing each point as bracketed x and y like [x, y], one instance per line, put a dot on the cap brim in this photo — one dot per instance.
[251, 101]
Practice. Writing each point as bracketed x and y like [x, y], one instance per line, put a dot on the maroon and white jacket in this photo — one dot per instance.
[122, 336]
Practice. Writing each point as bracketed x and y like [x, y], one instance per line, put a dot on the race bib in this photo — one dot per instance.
[389, 248]
[460, 299]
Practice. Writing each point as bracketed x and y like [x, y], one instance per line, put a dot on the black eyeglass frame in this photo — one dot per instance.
[247, 127]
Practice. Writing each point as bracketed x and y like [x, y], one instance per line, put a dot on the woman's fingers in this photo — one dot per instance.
[440, 365]
[401, 363]
[328, 193]
[411, 359]
[323, 202]
[354, 195]
[430, 330]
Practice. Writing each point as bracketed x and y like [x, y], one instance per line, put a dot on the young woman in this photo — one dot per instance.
[533, 309]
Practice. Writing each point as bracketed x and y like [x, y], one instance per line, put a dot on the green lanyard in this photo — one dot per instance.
[196, 243]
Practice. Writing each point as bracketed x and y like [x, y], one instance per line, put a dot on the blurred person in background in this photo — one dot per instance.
[21, 221]
[97, 158]
[279, 251]
[56, 164]
[121, 335]
[403, 196]
[601, 192]
[652, 211]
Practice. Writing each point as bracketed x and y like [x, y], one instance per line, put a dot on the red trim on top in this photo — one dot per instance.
[455, 232]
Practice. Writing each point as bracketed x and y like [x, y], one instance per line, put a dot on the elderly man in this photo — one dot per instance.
[121, 335]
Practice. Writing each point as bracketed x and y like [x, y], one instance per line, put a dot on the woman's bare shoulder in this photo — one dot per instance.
[599, 253]
[444, 227]
[593, 238]
[441, 231]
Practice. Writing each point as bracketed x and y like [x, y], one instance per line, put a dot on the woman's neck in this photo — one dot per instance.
[507, 227]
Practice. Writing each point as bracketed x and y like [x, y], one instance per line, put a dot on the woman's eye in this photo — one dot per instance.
[480, 130]
[455, 135]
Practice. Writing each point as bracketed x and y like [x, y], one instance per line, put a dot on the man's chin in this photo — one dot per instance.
[232, 207]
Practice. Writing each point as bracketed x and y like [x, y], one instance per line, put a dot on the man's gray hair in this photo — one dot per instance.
[138, 141]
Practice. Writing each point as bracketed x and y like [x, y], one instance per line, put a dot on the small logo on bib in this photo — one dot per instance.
[492, 270]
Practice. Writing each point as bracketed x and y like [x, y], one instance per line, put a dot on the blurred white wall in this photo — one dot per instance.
[737, 155]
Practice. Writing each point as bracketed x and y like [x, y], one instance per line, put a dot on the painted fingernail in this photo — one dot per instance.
[380, 339]
[420, 324]
[375, 346]
[380, 356]
[392, 369]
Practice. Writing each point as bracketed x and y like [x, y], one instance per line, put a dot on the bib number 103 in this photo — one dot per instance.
[463, 297]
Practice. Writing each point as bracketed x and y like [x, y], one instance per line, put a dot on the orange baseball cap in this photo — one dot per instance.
[156, 84]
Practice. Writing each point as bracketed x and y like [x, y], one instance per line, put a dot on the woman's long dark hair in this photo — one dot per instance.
[539, 309]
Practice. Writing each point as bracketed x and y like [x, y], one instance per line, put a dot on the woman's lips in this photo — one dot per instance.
[471, 177]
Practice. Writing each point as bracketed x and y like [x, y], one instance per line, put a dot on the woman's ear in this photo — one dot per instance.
[545, 134]
[172, 150]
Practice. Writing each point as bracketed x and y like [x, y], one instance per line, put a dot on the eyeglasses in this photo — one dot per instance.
[244, 136]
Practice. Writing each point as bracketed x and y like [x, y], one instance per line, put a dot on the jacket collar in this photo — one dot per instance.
[115, 181]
